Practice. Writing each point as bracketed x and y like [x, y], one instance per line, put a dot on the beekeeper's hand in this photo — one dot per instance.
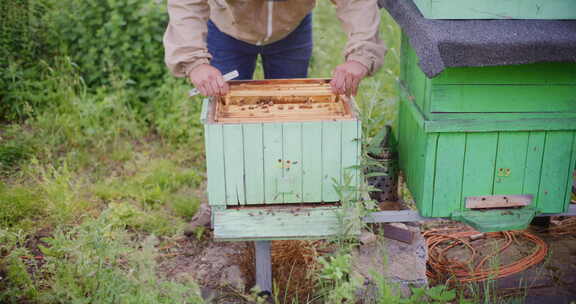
[208, 80]
[347, 76]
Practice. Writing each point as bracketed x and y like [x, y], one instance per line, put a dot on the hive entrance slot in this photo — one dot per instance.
[281, 100]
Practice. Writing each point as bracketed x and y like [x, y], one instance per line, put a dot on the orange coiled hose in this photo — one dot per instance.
[474, 269]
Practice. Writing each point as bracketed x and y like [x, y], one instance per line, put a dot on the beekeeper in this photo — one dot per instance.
[206, 38]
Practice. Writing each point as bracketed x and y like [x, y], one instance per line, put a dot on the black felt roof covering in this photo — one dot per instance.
[454, 43]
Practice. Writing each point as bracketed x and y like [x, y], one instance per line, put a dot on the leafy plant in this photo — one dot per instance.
[115, 37]
[27, 38]
[337, 283]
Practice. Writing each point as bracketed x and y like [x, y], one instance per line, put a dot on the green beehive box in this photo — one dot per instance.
[498, 9]
[275, 152]
[488, 131]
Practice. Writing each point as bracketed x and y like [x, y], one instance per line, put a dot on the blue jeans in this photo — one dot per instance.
[287, 58]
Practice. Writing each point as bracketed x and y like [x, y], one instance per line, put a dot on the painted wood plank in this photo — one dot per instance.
[272, 140]
[571, 176]
[448, 171]
[331, 160]
[312, 162]
[417, 81]
[426, 203]
[556, 171]
[417, 155]
[535, 74]
[411, 174]
[510, 163]
[485, 124]
[503, 98]
[534, 154]
[413, 216]
[501, 116]
[351, 140]
[254, 163]
[234, 164]
[214, 141]
[419, 160]
[277, 224]
[479, 164]
[292, 162]
[497, 9]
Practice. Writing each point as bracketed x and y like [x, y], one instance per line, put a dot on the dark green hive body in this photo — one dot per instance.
[481, 131]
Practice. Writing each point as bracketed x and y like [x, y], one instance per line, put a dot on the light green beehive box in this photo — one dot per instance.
[275, 178]
[485, 131]
[497, 9]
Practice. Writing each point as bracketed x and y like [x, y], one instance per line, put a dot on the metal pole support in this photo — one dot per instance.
[263, 266]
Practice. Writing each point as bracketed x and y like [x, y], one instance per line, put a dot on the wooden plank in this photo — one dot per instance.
[500, 116]
[413, 216]
[549, 73]
[570, 211]
[556, 171]
[510, 163]
[479, 163]
[418, 159]
[416, 113]
[534, 154]
[263, 257]
[418, 83]
[494, 125]
[254, 162]
[234, 164]
[298, 81]
[417, 154]
[498, 201]
[214, 141]
[411, 174]
[277, 224]
[426, 203]
[312, 161]
[572, 175]
[350, 144]
[292, 162]
[403, 235]
[272, 141]
[340, 110]
[448, 171]
[497, 9]
[282, 86]
[331, 160]
[282, 93]
[503, 98]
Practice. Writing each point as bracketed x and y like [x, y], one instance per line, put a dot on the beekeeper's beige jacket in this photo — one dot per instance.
[262, 22]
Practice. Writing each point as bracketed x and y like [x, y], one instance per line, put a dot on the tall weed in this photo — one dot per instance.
[97, 262]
